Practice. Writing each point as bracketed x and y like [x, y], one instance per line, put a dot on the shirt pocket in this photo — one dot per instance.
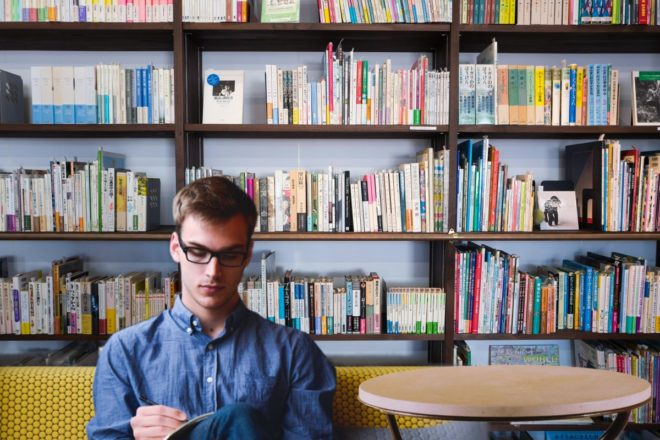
[258, 392]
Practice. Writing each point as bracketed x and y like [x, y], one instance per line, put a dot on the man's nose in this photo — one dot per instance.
[213, 267]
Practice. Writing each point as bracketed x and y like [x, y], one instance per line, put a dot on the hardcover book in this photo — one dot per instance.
[646, 97]
[223, 97]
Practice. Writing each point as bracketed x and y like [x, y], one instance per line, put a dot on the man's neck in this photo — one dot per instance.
[213, 321]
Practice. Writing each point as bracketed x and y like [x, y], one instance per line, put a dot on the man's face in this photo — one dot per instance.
[210, 288]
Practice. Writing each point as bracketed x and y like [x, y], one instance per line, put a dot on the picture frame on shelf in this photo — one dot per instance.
[559, 210]
[223, 97]
[646, 97]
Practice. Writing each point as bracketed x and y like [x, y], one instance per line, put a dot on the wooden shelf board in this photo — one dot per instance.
[164, 234]
[563, 334]
[353, 337]
[158, 235]
[561, 39]
[552, 235]
[314, 131]
[87, 130]
[554, 132]
[86, 36]
[315, 36]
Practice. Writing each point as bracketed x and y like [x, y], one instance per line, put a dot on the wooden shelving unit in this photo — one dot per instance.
[189, 41]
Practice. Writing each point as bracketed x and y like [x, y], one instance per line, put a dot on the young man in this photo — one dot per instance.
[209, 353]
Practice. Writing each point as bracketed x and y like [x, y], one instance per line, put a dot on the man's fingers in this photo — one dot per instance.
[162, 410]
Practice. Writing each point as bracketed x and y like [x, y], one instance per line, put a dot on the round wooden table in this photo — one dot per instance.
[506, 393]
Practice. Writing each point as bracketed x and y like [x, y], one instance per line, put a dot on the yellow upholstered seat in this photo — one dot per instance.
[45, 402]
[56, 402]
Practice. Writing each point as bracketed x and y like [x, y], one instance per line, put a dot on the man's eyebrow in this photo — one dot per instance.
[236, 247]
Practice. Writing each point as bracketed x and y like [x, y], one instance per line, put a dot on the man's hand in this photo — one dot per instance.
[155, 422]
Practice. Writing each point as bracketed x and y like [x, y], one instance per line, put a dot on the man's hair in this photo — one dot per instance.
[213, 199]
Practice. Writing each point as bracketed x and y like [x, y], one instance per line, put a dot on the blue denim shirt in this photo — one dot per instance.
[169, 360]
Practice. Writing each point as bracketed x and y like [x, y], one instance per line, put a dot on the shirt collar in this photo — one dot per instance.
[191, 323]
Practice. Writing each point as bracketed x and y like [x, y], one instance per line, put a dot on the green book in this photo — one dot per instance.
[280, 11]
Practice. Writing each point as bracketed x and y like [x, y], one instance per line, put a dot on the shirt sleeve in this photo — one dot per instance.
[114, 401]
[308, 411]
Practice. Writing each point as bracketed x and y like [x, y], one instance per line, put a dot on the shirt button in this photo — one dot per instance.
[195, 323]
[189, 330]
[209, 347]
[209, 379]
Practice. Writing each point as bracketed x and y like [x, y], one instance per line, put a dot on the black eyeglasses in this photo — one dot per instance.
[199, 255]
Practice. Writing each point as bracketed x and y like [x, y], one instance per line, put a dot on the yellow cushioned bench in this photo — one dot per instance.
[56, 402]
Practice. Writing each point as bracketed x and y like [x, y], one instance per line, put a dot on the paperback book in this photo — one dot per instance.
[223, 97]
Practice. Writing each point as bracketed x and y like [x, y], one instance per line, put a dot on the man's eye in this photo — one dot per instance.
[195, 252]
[232, 256]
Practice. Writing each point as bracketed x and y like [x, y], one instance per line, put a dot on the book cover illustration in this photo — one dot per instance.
[646, 97]
[223, 97]
[559, 210]
[280, 11]
[537, 354]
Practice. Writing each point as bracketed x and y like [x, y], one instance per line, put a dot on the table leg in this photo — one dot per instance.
[617, 426]
[396, 435]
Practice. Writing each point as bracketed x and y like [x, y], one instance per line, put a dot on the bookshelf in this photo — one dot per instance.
[188, 42]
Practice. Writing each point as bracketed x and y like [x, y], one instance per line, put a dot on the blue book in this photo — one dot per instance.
[536, 314]
[280, 301]
[149, 94]
[591, 69]
[315, 115]
[572, 94]
[586, 292]
[464, 158]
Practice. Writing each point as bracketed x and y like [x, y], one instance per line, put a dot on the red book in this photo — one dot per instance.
[477, 291]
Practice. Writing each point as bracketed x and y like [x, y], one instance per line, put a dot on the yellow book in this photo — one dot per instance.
[503, 12]
[120, 191]
[512, 11]
[539, 94]
[579, 91]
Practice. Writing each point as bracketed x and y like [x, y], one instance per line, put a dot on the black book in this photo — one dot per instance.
[12, 109]
[153, 203]
[348, 209]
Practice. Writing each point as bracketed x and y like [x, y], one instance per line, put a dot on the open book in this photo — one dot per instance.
[183, 431]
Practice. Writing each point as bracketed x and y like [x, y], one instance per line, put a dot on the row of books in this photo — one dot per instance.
[487, 199]
[630, 189]
[617, 190]
[350, 92]
[559, 12]
[413, 198]
[538, 95]
[637, 359]
[214, 11]
[361, 304]
[107, 11]
[592, 293]
[72, 196]
[394, 11]
[102, 94]
[71, 301]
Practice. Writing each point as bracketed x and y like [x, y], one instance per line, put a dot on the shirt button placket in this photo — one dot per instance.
[210, 363]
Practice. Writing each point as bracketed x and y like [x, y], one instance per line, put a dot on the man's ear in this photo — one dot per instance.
[174, 247]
